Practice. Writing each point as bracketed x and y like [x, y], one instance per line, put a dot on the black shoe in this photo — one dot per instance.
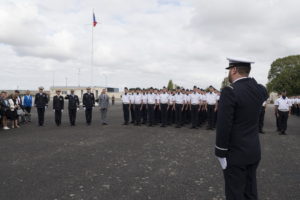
[150, 125]
[283, 133]
[262, 132]
[177, 126]
[162, 126]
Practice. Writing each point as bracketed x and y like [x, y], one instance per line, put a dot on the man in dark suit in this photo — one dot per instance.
[58, 107]
[41, 103]
[88, 102]
[73, 106]
[237, 139]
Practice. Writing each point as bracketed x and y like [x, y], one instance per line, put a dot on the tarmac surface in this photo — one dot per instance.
[117, 162]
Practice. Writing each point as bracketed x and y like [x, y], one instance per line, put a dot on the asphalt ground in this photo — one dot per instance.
[135, 163]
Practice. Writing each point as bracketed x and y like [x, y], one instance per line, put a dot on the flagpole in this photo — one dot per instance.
[92, 57]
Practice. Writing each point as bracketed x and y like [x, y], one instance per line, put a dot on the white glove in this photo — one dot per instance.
[77, 109]
[83, 108]
[53, 110]
[223, 162]
[62, 111]
[46, 107]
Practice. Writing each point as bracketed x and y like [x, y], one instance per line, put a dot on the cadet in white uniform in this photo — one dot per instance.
[126, 105]
[179, 102]
[282, 110]
[171, 108]
[132, 93]
[138, 102]
[195, 105]
[163, 103]
[151, 104]
[211, 105]
[144, 106]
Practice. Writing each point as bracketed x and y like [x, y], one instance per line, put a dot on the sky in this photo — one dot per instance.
[141, 43]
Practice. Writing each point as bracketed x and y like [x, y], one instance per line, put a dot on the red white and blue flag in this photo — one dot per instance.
[94, 20]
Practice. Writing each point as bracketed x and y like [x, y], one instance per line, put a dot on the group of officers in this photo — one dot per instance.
[166, 107]
[41, 103]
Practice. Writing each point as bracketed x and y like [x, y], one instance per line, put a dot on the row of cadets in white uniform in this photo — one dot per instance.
[165, 101]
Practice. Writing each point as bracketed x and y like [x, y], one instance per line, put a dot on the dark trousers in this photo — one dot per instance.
[171, 115]
[240, 182]
[88, 115]
[126, 113]
[137, 113]
[132, 113]
[72, 116]
[211, 116]
[282, 120]
[157, 115]
[41, 114]
[144, 113]
[277, 122]
[187, 115]
[57, 117]
[178, 114]
[202, 115]
[151, 114]
[194, 115]
[261, 119]
[164, 114]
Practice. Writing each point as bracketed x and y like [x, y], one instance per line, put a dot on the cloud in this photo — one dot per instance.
[142, 42]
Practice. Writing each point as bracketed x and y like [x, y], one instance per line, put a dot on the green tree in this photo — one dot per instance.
[284, 74]
[225, 82]
[170, 85]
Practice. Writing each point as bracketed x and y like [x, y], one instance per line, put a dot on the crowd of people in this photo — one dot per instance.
[193, 108]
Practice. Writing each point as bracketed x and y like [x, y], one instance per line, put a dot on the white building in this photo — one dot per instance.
[80, 90]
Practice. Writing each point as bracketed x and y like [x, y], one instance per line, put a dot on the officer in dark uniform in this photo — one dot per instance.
[58, 107]
[88, 102]
[237, 138]
[73, 106]
[41, 103]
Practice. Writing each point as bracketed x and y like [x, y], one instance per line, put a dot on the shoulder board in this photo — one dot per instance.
[230, 87]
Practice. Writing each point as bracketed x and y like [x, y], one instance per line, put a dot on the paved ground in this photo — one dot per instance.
[135, 163]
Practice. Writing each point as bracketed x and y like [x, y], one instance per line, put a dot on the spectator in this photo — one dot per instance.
[12, 111]
[4, 109]
[27, 105]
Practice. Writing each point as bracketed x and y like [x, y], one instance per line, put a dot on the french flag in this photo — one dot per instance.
[94, 20]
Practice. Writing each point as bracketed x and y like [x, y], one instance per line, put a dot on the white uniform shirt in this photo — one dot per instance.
[283, 104]
[131, 97]
[126, 98]
[151, 98]
[164, 98]
[138, 98]
[211, 98]
[298, 101]
[145, 98]
[195, 98]
[171, 99]
[187, 98]
[179, 98]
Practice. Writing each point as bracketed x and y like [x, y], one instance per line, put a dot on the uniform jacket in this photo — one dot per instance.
[88, 100]
[58, 102]
[73, 101]
[103, 101]
[237, 136]
[41, 100]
